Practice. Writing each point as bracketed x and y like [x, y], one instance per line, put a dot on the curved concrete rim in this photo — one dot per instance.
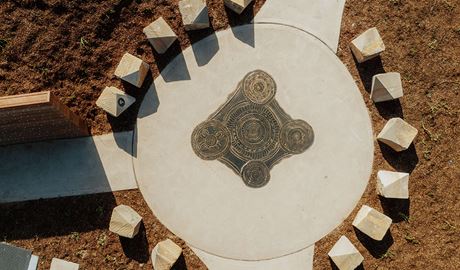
[159, 92]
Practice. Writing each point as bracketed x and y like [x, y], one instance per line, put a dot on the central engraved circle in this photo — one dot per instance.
[255, 131]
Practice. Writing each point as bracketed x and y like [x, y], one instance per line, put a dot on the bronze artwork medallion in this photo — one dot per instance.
[251, 133]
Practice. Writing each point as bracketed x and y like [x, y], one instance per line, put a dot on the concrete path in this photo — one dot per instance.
[321, 18]
[66, 167]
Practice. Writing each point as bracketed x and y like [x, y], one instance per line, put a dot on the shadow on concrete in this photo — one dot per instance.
[137, 248]
[376, 248]
[404, 161]
[368, 69]
[390, 109]
[245, 18]
[204, 54]
[334, 267]
[180, 264]
[55, 217]
[397, 209]
[173, 54]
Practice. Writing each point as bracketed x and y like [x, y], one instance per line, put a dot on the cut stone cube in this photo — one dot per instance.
[160, 35]
[58, 264]
[397, 134]
[165, 254]
[367, 45]
[387, 86]
[114, 101]
[237, 5]
[372, 223]
[12, 257]
[194, 14]
[393, 185]
[132, 70]
[345, 255]
[125, 221]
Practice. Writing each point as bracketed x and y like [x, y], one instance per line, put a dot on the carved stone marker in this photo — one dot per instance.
[372, 223]
[345, 255]
[397, 134]
[125, 221]
[132, 70]
[393, 185]
[367, 45]
[237, 5]
[165, 254]
[160, 35]
[114, 101]
[386, 86]
[37, 117]
[194, 14]
[58, 264]
[251, 133]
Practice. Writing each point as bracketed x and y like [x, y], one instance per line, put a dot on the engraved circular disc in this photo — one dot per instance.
[296, 136]
[210, 140]
[255, 174]
[259, 87]
[255, 131]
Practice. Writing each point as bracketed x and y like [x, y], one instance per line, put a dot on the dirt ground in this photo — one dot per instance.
[423, 44]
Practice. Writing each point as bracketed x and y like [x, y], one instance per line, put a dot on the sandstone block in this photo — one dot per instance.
[367, 45]
[132, 70]
[393, 185]
[387, 86]
[397, 134]
[58, 264]
[125, 221]
[237, 5]
[160, 35]
[345, 255]
[114, 101]
[372, 223]
[194, 14]
[165, 254]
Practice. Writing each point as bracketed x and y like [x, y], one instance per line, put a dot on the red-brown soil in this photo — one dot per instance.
[43, 52]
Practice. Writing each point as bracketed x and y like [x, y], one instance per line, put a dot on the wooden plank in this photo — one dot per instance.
[36, 117]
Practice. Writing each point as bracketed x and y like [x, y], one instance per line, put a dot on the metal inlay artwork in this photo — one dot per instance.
[251, 133]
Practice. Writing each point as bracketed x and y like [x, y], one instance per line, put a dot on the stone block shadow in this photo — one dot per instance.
[180, 264]
[245, 18]
[368, 69]
[376, 248]
[404, 161]
[137, 248]
[334, 267]
[397, 209]
[390, 109]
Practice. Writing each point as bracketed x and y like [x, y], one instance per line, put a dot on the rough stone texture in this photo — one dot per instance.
[372, 223]
[367, 45]
[194, 14]
[386, 86]
[237, 5]
[58, 264]
[160, 35]
[132, 70]
[345, 255]
[125, 221]
[393, 185]
[165, 254]
[114, 101]
[397, 134]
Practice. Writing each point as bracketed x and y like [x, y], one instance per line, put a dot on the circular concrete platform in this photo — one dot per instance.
[308, 195]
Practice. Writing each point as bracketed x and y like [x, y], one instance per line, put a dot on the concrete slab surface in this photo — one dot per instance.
[66, 167]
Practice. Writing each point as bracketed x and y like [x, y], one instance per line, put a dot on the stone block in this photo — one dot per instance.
[58, 264]
[393, 185]
[237, 5]
[165, 254]
[114, 101]
[160, 35]
[386, 86]
[125, 221]
[194, 14]
[345, 255]
[132, 70]
[372, 223]
[367, 45]
[397, 134]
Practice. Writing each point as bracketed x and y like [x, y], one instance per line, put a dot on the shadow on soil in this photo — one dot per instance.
[397, 209]
[390, 109]
[377, 249]
[368, 69]
[404, 161]
[137, 248]
[55, 217]
[180, 264]
[334, 267]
